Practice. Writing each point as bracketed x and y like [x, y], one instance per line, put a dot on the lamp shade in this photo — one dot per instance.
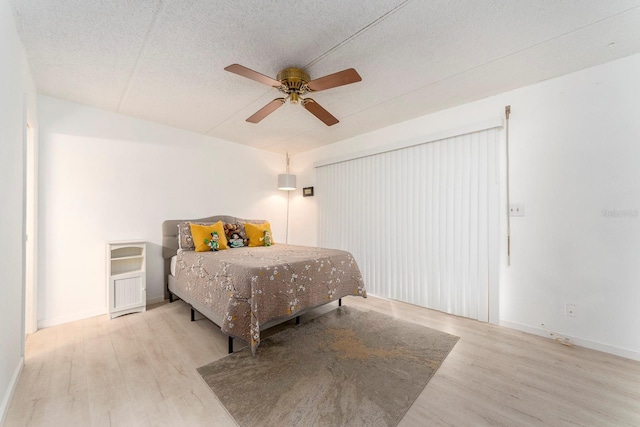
[286, 182]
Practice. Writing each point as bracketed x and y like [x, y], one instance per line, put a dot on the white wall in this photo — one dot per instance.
[575, 152]
[105, 176]
[15, 82]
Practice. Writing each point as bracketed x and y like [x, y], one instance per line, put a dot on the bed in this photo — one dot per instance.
[248, 289]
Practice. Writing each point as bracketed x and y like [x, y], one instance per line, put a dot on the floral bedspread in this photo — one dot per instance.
[250, 286]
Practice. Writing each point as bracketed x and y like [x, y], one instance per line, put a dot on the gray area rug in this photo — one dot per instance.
[347, 367]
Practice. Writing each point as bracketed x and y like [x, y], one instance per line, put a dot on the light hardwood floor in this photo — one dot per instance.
[140, 369]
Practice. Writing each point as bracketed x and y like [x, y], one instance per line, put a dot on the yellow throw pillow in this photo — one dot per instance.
[204, 237]
[256, 234]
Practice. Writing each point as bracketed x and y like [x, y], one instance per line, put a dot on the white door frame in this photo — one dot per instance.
[30, 222]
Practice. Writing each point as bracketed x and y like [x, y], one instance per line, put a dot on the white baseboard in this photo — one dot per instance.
[4, 407]
[155, 300]
[593, 345]
[46, 323]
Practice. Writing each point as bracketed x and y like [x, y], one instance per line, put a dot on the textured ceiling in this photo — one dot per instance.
[163, 60]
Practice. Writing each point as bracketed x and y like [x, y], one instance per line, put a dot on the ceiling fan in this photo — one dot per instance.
[295, 82]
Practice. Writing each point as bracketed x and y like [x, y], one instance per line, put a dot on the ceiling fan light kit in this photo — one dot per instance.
[294, 83]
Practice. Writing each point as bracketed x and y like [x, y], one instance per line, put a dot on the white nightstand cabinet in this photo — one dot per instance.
[127, 277]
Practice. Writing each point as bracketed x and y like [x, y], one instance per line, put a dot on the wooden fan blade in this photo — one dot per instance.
[266, 110]
[340, 78]
[316, 109]
[253, 75]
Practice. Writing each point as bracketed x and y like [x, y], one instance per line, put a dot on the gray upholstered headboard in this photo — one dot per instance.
[170, 238]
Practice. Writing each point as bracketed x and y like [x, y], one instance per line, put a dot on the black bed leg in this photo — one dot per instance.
[170, 297]
[193, 315]
[230, 344]
[339, 302]
[297, 320]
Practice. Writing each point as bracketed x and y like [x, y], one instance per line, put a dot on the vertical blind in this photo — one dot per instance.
[422, 222]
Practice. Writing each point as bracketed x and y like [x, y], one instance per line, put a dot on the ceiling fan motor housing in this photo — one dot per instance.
[293, 77]
[294, 81]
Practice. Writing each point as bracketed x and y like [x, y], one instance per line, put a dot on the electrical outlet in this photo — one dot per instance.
[516, 209]
[570, 310]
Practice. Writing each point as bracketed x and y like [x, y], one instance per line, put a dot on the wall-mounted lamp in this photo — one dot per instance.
[287, 181]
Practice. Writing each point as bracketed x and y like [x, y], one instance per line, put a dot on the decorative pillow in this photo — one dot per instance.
[259, 234]
[243, 232]
[208, 237]
[236, 237]
[185, 239]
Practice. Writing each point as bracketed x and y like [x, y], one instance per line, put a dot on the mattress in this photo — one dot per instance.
[174, 260]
